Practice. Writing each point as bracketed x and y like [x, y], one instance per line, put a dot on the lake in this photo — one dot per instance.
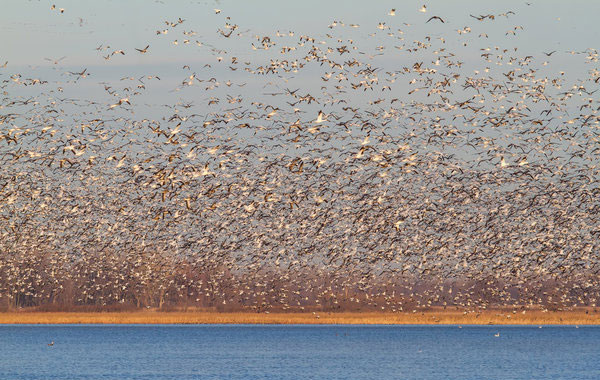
[298, 352]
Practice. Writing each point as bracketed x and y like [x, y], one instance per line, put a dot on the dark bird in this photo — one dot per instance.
[144, 50]
[81, 74]
[435, 18]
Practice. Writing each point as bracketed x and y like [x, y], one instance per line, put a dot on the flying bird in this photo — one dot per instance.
[55, 61]
[320, 118]
[435, 18]
[144, 50]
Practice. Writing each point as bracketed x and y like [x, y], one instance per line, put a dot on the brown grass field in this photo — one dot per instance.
[530, 317]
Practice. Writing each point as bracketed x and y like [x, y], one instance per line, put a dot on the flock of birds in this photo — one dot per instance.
[306, 171]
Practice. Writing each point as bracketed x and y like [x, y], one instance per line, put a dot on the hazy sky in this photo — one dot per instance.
[31, 31]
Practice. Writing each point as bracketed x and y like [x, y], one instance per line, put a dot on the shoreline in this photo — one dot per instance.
[431, 317]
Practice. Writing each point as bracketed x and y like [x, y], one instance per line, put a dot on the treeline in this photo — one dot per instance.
[111, 281]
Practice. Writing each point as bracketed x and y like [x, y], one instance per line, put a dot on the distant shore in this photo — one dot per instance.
[430, 317]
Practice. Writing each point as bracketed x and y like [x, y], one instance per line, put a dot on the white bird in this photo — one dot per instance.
[320, 118]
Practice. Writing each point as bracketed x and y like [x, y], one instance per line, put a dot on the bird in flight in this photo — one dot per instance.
[435, 18]
[549, 54]
[55, 61]
[423, 9]
[81, 74]
[144, 50]
[321, 117]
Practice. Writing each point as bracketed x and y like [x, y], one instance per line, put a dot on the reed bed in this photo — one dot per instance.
[535, 317]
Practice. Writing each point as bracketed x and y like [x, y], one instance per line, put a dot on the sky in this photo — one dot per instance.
[33, 36]
[31, 31]
[39, 41]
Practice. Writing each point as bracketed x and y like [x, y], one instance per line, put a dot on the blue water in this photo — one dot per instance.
[298, 352]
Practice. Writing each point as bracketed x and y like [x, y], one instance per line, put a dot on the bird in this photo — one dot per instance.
[55, 61]
[51, 344]
[435, 18]
[144, 50]
[320, 118]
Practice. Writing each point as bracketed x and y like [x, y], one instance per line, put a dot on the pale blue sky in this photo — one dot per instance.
[30, 32]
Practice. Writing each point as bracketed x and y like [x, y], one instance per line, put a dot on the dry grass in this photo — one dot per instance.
[531, 317]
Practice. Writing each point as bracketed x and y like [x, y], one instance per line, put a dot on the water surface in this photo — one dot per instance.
[298, 352]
